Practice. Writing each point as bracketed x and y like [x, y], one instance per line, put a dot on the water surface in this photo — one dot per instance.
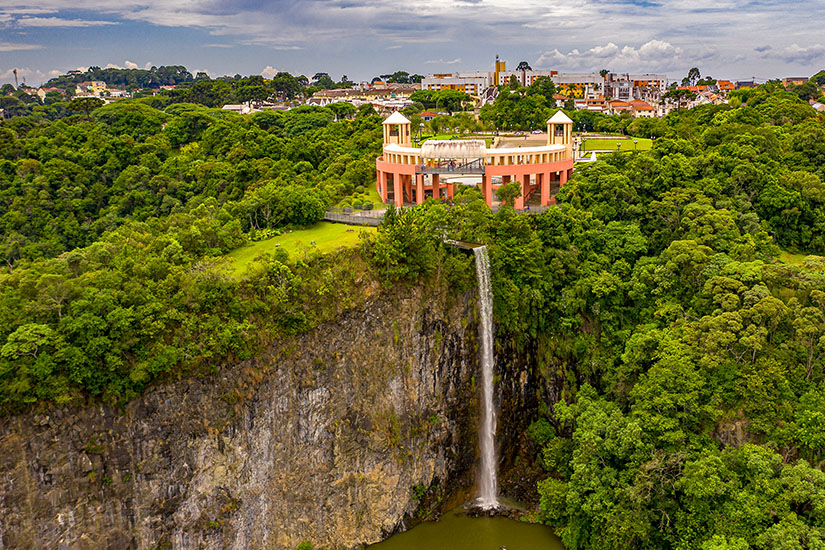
[456, 531]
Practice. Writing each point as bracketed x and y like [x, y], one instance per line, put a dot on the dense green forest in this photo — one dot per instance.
[113, 228]
[688, 358]
[690, 361]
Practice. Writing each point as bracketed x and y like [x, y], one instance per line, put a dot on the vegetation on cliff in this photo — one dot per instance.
[691, 361]
[114, 230]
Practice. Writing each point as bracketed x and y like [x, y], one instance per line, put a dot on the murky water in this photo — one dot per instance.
[456, 531]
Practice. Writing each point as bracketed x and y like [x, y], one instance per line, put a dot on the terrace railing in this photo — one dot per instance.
[452, 166]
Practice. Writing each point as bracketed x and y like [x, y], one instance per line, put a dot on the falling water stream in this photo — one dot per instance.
[456, 530]
[488, 489]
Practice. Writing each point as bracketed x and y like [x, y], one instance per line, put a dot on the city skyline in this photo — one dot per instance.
[364, 38]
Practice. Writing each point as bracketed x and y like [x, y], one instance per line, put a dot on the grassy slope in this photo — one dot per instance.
[790, 258]
[327, 236]
[610, 144]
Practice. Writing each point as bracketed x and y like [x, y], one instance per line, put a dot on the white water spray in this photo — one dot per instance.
[488, 497]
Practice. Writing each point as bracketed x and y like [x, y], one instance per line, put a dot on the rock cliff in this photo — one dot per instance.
[328, 437]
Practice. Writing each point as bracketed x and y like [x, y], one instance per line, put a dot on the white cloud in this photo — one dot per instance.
[801, 54]
[60, 22]
[455, 61]
[130, 65]
[269, 71]
[16, 47]
[32, 77]
[654, 55]
[112, 66]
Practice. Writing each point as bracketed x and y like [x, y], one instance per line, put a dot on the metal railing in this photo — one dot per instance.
[475, 166]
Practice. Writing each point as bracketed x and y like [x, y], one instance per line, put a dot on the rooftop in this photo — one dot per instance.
[560, 118]
[396, 118]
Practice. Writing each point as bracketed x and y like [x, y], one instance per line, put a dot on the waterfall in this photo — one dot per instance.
[487, 429]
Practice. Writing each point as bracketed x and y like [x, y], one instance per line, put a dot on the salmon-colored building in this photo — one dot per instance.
[407, 174]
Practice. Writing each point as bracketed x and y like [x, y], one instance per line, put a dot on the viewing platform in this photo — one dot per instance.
[406, 174]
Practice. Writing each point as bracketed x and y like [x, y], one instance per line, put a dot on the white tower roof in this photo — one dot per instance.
[560, 118]
[397, 118]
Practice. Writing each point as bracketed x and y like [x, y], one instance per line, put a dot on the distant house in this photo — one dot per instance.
[243, 109]
[41, 92]
[618, 107]
[427, 116]
[789, 81]
[90, 89]
[746, 84]
[642, 109]
[560, 100]
[725, 86]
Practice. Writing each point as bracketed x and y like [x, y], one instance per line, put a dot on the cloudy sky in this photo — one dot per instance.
[364, 38]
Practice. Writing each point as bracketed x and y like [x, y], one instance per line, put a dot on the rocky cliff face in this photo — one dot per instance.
[321, 439]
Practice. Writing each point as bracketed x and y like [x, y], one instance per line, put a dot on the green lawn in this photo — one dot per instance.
[789, 258]
[327, 236]
[610, 144]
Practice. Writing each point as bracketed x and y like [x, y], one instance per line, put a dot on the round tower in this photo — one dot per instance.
[397, 130]
[560, 132]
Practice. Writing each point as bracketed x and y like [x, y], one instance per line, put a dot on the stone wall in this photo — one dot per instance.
[321, 439]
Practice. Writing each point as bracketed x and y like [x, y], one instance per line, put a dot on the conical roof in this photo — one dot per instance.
[396, 118]
[558, 118]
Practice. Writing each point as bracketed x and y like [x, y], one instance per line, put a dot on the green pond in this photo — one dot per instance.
[456, 531]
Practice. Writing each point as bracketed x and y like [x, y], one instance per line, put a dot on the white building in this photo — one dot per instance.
[469, 83]
[627, 87]
[584, 86]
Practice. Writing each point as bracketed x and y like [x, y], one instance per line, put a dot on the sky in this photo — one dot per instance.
[728, 39]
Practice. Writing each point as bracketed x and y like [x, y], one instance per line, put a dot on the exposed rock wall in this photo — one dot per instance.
[320, 439]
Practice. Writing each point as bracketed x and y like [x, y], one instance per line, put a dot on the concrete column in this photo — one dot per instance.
[487, 189]
[398, 189]
[524, 181]
[379, 185]
[544, 184]
[407, 187]
[419, 188]
[563, 178]
[437, 185]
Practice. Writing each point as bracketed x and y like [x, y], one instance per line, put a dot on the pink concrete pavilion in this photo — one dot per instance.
[407, 174]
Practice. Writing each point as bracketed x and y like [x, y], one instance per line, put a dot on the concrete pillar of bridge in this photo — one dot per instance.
[398, 189]
[487, 189]
[419, 188]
